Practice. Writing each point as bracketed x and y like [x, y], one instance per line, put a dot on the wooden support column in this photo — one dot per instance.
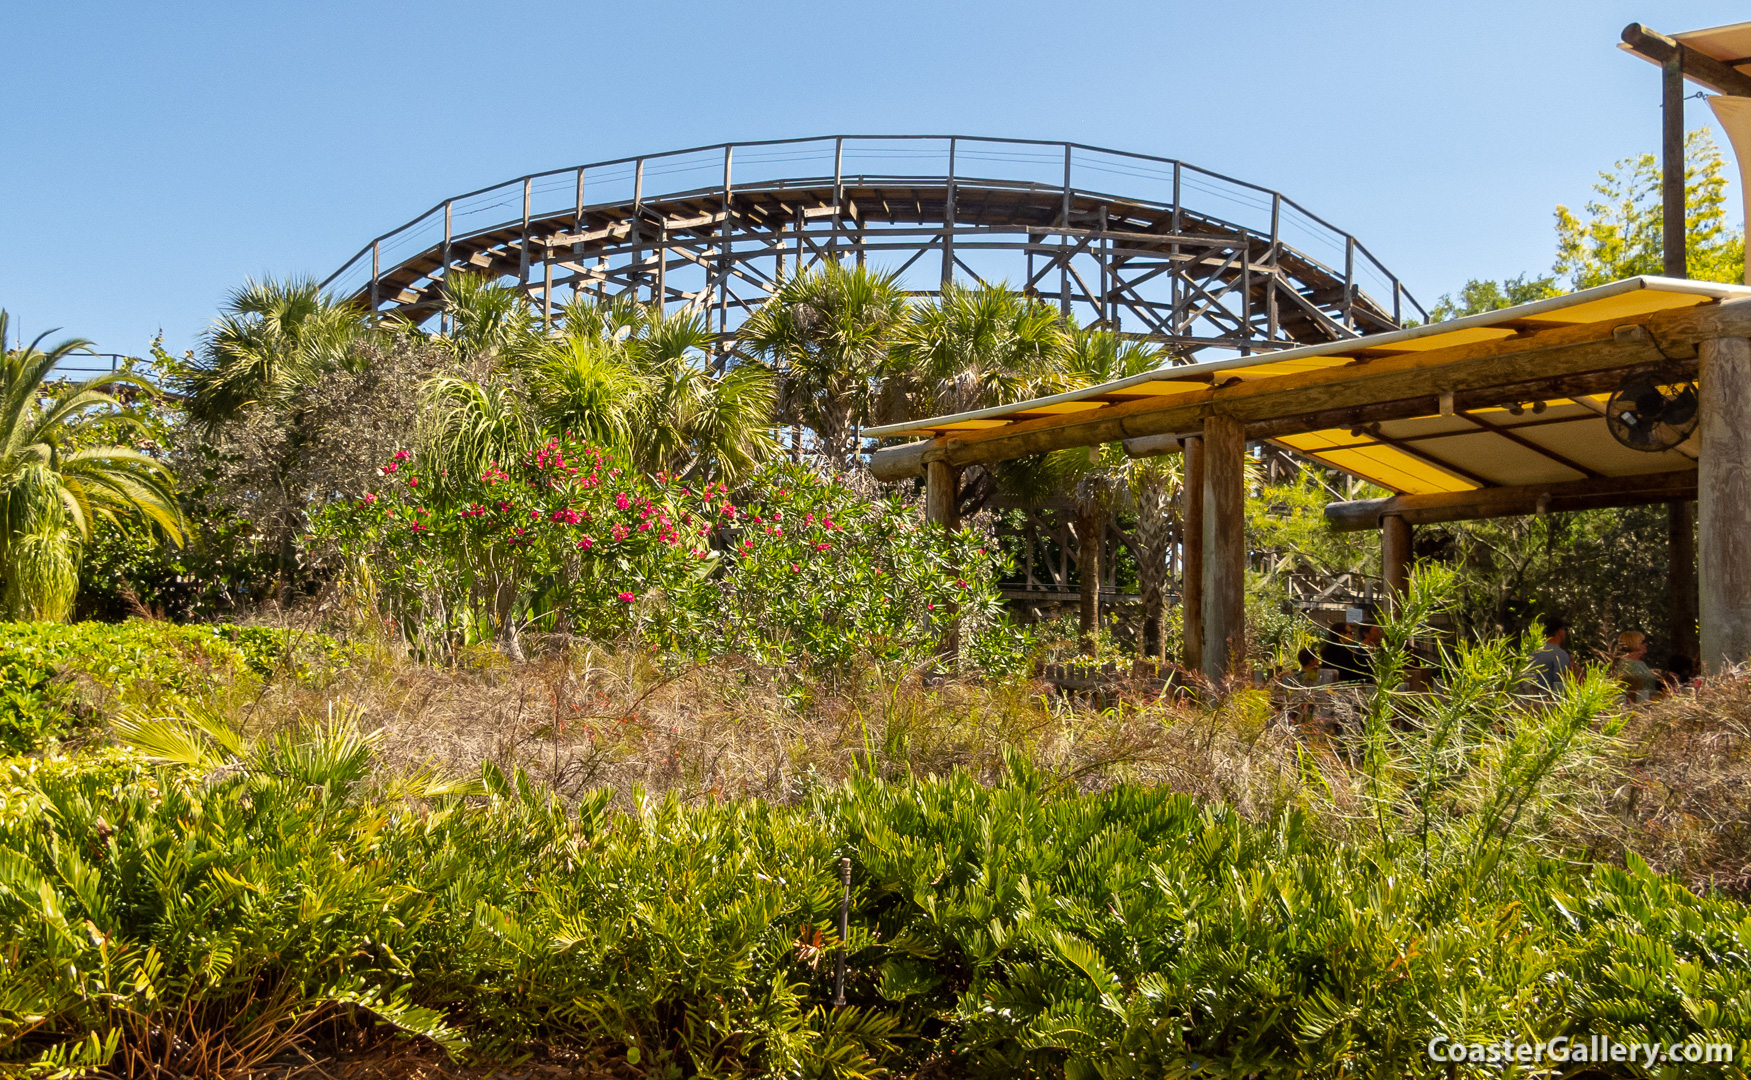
[1224, 545]
[1192, 555]
[939, 494]
[1090, 539]
[1681, 576]
[1395, 557]
[1672, 239]
[940, 483]
[1723, 503]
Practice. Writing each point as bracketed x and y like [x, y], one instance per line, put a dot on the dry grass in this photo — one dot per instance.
[1684, 804]
[578, 717]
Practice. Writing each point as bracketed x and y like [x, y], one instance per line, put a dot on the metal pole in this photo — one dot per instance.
[1064, 243]
[523, 262]
[1672, 239]
[948, 222]
[844, 931]
[838, 195]
[376, 246]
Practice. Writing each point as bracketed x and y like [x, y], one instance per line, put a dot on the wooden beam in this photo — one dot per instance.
[1224, 547]
[1192, 554]
[1724, 503]
[1512, 501]
[1698, 67]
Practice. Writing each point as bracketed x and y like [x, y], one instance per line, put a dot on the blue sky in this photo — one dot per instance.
[156, 155]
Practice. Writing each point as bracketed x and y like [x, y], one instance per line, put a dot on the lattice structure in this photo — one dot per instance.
[1149, 247]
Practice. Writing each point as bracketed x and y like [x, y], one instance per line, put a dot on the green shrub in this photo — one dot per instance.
[53, 676]
[206, 912]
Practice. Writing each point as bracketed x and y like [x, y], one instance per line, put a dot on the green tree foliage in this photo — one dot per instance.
[271, 338]
[52, 492]
[1620, 234]
[980, 345]
[827, 333]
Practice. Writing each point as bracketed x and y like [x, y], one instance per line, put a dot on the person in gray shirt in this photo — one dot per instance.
[1551, 663]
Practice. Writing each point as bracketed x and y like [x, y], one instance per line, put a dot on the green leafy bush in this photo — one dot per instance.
[53, 676]
[204, 913]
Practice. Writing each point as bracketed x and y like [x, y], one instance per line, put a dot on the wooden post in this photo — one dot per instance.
[1064, 243]
[1672, 166]
[1224, 544]
[939, 494]
[1090, 538]
[1681, 576]
[1192, 554]
[1723, 503]
[940, 483]
[1395, 557]
[724, 255]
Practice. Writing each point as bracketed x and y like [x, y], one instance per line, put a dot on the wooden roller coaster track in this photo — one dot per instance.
[1183, 256]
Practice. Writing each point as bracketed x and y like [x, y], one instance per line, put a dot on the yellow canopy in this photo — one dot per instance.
[1538, 442]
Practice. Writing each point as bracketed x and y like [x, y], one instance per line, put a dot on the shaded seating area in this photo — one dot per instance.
[1523, 410]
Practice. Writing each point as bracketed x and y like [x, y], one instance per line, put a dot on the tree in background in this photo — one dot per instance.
[1619, 236]
[51, 492]
[826, 334]
[270, 338]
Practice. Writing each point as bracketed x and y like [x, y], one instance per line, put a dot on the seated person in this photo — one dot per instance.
[1308, 671]
[1630, 668]
[1550, 664]
[1348, 656]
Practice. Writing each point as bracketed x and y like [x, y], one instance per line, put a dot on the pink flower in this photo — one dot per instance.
[627, 598]
[391, 467]
[793, 569]
[586, 544]
[621, 502]
[619, 532]
[370, 497]
[413, 481]
[400, 455]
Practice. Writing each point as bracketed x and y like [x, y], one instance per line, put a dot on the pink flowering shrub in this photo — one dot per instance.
[562, 541]
[792, 569]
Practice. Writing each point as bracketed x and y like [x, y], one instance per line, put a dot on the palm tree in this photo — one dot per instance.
[51, 490]
[270, 338]
[692, 421]
[827, 334]
[977, 346]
